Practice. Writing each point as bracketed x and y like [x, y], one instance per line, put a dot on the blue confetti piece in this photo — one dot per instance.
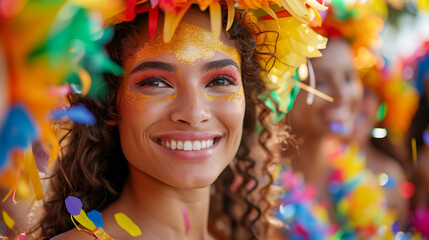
[426, 137]
[97, 218]
[76, 113]
[339, 128]
[73, 205]
[18, 131]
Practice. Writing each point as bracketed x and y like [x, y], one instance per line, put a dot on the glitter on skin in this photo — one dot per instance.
[189, 44]
[138, 100]
[237, 97]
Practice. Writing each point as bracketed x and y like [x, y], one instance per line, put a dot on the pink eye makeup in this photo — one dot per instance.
[223, 84]
[222, 77]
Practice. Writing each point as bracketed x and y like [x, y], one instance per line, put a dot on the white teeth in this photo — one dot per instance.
[196, 145]
[187, 145]
[179, 145]
[173, 145]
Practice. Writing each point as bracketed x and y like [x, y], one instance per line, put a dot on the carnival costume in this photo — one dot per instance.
[63, 53]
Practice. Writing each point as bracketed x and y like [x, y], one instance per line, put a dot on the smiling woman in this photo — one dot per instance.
[171, 127]
[173, 133]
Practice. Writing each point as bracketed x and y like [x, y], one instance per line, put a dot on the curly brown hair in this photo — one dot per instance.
[92, 166]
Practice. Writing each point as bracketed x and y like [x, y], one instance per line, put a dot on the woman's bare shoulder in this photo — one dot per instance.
[74, 234]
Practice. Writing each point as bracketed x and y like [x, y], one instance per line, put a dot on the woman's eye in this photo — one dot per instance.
[222, 80]
[156, 82]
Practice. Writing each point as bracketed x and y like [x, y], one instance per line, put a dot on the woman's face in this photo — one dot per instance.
[336, 77]
[181, 105]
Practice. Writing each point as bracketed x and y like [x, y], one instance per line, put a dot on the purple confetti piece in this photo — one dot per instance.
[395, 227]
[426, 137]
[76, 113]
[73, 205]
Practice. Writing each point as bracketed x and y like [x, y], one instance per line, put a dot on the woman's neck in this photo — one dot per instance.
[310, 160]
[160, 210]
[313, 164]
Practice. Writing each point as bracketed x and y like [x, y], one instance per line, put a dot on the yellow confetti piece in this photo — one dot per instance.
[414, 150]
[78, 228]
[127, 224]
[7, 219]
[84, 220]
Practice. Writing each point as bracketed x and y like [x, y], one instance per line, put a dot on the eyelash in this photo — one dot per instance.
[151, 80]
[230, 80]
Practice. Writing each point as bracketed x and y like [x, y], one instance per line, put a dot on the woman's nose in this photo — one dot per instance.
[191, 108]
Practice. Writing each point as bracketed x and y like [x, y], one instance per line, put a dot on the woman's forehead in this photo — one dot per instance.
[190, 43]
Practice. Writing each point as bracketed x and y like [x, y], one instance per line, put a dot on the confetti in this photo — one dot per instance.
[127, 224]
[7, 219]
[96, 217]
[186, 219]
[83, 219]
[73, 205]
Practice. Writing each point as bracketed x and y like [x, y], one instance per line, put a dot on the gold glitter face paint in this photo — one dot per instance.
[190, 43]
[237, 97]
[138, 100]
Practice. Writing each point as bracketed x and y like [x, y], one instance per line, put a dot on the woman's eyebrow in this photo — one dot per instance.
[219, 64]
[154, 65]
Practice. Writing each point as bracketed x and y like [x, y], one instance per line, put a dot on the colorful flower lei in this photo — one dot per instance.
[360, 208]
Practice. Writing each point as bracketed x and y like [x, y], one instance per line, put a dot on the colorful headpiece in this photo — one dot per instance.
[358, 25]
[398, 97]
[56, 46]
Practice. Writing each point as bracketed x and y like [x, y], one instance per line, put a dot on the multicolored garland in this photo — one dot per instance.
[360, 208]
